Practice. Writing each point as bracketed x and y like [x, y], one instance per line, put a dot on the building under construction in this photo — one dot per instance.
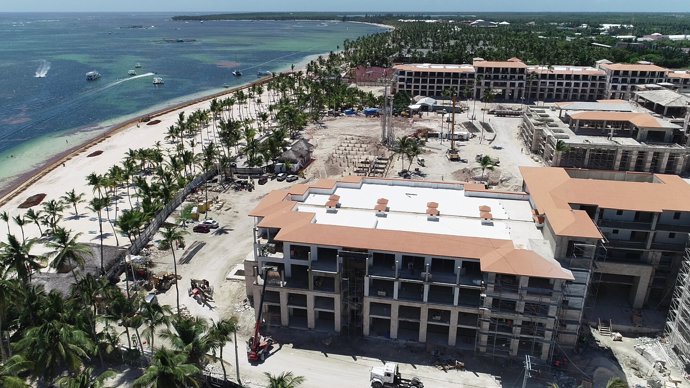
[504, 274]
[678, 325]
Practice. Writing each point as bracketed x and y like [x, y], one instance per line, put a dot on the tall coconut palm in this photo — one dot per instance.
[155, 315]
[169, 370]
[173, 236]
[6, 217]
[52, 345]
[97, 204]
[17, 257]
[221, 332]
[85, 379]
[73, 198]
[10, 371]
[35, 217]
[20, 221]
[53, 210]
[192, 336]
[284, 380]
[67, 251]
[9, 290]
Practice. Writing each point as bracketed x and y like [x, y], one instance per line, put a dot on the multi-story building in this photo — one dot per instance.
[643, 218]
[434, 80]
[505, 79]
[455, 264]
[621, 78]
[607, 135]
[444, 263]
[565, 83]
[512, 80]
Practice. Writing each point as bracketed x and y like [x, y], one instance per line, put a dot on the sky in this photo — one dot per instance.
[422, 6]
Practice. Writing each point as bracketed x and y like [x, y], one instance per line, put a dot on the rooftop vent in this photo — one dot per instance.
[487, 218]
[432, 213]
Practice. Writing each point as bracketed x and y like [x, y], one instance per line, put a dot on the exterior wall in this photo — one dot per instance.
[565, 87]
[620, 83]
[509, 81]
[432, 83]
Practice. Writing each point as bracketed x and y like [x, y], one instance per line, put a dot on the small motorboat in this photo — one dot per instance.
[158, 81]
[237, 73]
[93, 75]
[132, 73]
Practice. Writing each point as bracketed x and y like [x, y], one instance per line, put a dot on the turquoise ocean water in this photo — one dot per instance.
[47, 106]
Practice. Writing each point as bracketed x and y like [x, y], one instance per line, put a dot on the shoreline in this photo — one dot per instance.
[22, 182]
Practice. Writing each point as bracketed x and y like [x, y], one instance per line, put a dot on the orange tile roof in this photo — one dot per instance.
[568, 70]
[678, 74]
[429, 69]
[503, 64]
[553, 191]
[522, 262]
[633, 67]
[642, 120]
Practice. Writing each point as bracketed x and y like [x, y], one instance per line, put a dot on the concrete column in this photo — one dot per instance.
[313, 253]
[633, 160]
[617, 161]
[366, 320]
[456, 295]
[662, 163]
[586, 162]
[394, 320]
[640, 290]
[426, 292]
[256, 292]
[453, 328]
[648, 161]
[545, 348]
[311, 314]
[396, 286]
[423, 321]
[483, 338]
[310, 278]
[284, 313]
[336, 313]
[366, 286]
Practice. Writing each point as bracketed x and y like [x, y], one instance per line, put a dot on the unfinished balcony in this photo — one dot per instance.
[469, 298]
[270, 249]
[379, 288]
[411, 291]
[299, 252]
[299, 278]
[439, 317]
[326, 261]
[323, 283]
[382, 265]
[323, 303]
[443, 271]
[412, 268]
[470, 274]
[441, 295]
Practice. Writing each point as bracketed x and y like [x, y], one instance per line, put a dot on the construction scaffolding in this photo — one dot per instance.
[678, 323]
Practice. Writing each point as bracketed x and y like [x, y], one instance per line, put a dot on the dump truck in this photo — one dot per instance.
[388, 376]
[453, 155]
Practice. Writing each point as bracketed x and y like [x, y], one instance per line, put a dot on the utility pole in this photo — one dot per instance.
[452, 126]
[528, 371]
[237, 360]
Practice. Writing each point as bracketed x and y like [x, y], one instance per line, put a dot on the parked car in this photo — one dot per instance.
[202, 228]
[211, 223]
[281, 177]
[291, 178]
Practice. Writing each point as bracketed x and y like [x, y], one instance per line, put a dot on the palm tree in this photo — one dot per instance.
[97, 204]
[6, 217]
[154, 315]
[35, 217]
[284, 380]
[20, 221]
[401, 147]
[220, 332]
[173, 236]
[616, 382]
[73, 198]
[16, 257]
[67, 251]
[9, 289]
[191, 336]
[169, 370]
[487, 163]
[53, 209]
[85, 379]
[9, 370]
[53, 345]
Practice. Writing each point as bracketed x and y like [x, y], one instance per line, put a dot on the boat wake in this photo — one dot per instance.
[43, 69]
[115, 83]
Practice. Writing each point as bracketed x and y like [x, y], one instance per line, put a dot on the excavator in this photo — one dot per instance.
[259, 346]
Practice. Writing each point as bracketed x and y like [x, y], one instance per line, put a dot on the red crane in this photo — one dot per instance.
[259, 346]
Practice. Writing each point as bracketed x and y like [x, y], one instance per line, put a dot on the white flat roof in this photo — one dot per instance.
[459, 214]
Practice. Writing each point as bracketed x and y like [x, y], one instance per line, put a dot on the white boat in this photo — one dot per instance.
[264, 73]
[137, 66]
[237, 73]
[93, 75]
[132, 73]
[158, 81]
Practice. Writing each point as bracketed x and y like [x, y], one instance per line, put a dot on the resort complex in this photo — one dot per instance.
[513, 80]
[500, 273]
